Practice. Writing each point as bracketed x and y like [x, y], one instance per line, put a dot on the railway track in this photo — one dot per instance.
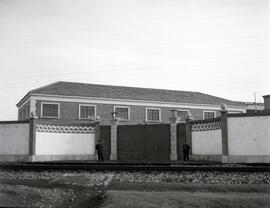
[136, 166]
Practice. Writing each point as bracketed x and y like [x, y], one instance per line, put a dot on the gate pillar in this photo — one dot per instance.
[114, 123]
[188, 130]
[97, 129]
[32, 137]
[174, 119]
[224, 133]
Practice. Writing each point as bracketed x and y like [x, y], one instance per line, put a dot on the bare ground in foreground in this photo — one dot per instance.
[122, 189]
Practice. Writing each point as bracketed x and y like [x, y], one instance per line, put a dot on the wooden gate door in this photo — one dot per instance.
[157, 144]
[105, 136]
[143, 142]
[181, 138]
[130, 142]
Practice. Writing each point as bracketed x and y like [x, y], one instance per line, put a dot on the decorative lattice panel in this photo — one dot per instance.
[207, 126]
[65, 129]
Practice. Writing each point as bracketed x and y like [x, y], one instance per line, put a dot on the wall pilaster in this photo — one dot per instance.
[114, 124]
[32, 138]
[174, 119]
[224, 133]
[33, 107]
[188, 141]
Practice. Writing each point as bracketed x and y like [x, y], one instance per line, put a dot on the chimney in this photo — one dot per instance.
[266, 102]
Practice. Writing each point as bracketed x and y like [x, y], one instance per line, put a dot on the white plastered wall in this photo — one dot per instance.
[249, 136]
[206, 142]
[64, 144]
[14, 139]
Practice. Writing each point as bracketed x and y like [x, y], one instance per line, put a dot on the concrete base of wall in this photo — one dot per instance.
[249, 159]
[217, 158]
[113, 157]
[37, 158]
[173, 157]
[14, 158]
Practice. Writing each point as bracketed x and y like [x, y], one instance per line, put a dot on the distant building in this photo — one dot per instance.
[253, 107]
[266, 103]
[79, 102]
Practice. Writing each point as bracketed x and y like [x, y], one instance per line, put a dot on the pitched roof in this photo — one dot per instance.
[133, 93]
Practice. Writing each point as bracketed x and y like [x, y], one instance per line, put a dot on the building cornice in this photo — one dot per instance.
[116, 101]
[23, 99]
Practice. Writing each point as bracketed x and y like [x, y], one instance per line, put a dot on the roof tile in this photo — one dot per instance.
[134, 93]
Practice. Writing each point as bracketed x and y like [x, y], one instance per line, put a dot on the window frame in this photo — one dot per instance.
[159, 114]
[208, 111]
[53, 103]
[184, 110]
[88, 105]
[120, 106]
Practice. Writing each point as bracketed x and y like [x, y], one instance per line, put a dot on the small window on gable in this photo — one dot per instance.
[87, 111]
[183, 114]
[50, 110]
[122, 112]
[209, 114]
[153, 114]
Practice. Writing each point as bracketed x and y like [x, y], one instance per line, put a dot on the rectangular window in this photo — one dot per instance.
[50, 110]
[152, 114]
[183, 114]
[209, 114]
[122, 112]
[87, 111]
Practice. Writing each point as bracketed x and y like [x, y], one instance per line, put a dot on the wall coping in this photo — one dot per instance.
[14, 122]
[262, 113]
[205, 120]
[64, 123]
[142, 125]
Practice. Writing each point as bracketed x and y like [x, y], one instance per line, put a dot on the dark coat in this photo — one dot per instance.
[99, 148]
[186, 148]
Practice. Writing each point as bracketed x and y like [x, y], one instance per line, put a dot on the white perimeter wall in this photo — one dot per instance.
[14, 139]
[207, 142]
[64, 144]
[249, 135]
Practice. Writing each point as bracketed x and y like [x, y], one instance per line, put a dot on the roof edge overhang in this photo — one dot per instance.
[23, 99]
[30, 92]
[52, 96]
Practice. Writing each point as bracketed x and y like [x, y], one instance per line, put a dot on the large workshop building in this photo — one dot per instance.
[80, 102]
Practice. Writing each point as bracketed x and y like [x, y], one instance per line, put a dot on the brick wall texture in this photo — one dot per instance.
[70, 111]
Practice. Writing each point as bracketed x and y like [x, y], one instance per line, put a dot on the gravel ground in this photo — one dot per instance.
[95, 178]
[53, 175]
[194, 177]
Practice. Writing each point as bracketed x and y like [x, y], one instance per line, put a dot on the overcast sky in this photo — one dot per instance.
[219, 47]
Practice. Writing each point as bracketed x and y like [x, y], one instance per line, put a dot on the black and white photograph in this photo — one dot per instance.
[135, 103]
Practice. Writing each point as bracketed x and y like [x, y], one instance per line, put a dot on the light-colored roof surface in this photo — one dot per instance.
[133, 93]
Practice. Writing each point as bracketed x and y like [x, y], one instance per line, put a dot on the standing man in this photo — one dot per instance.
[186, 149]
[99, 150]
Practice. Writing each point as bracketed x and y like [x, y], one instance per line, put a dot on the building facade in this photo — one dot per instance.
[79, 102]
